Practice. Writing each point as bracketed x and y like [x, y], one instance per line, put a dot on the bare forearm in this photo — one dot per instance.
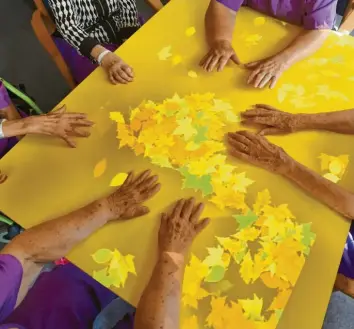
[219, 22]
[325, 191]
[304, 45]
[14, 128]
[54, 239]
[340, 121]
[10, 113]
[159, 306]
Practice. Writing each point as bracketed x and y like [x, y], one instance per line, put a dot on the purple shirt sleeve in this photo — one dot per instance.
[319, 14]
[232, 4]
[5, 100]
[10, 278]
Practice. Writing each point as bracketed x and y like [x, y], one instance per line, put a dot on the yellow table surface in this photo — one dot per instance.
[47, 179]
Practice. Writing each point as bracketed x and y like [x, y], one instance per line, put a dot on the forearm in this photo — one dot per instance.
[14, 128]
[159, 306]
[54, 239]
[322, 189]
[219, 22]
[339, 121]
[304, 45]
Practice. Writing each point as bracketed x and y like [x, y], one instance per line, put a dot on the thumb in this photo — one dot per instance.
[60, 110]
[235, 59]
[252, 65]
[269, 131]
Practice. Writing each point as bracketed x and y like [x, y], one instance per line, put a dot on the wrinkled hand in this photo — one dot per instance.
[266, 71]
[127, 201]
[256, 150]
[218, 56]
[181, 226]
[273, 121]
[59, 124]
[118, 71]
[3, 177]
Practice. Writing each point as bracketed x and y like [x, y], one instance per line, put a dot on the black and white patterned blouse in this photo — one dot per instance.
[87, 23]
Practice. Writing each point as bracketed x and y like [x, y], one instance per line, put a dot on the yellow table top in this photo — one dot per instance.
[47, 179]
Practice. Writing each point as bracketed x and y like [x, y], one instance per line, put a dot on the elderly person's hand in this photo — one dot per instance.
[256, 150]
[127, 201]
[266, 71]
[118, 71]
[179, 228]
[220, 53]
[58, 123]
[272, 120]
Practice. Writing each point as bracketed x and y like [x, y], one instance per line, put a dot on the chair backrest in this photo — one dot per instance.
[342, 6]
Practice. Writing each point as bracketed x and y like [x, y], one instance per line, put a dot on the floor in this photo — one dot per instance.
[22, 58]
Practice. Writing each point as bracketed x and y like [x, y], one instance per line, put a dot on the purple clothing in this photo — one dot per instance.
[63, 298]
[310, 14]
[80, 66]
[6, 143]
[346, 266]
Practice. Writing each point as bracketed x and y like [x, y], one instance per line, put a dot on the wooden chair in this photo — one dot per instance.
[44, 27]
[347, 23]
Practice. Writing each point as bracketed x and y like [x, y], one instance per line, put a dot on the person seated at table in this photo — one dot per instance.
[257, 150]
[316, 17]
[14, 124]
[91, 30]
[66, 297]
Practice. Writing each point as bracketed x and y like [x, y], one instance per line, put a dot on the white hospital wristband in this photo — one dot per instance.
[1, 131]
[102, 55]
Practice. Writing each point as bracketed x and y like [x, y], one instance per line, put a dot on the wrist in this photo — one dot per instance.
[302, 121]
[100, 209]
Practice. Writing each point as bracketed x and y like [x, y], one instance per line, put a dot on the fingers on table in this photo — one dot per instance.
[3, 178]
[188, 208]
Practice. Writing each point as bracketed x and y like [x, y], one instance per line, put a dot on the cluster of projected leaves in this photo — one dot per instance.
[186, 134]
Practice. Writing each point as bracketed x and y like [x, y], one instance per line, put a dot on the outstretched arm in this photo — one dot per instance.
[159, 306]
[278, 122]
[256, 150]
[54, 239]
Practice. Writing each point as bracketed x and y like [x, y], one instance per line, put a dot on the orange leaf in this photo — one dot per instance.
[100, 168]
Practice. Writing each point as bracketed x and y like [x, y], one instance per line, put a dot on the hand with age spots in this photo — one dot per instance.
[218, 56]
[272, 120]
[58, 123]
[256, 150]
[267, 71]
[118, 71]
[179, 229]
[127, 201]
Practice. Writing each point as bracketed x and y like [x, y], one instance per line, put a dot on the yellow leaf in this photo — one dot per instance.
[247, 234]
[274, 282]
[333, 178]
[258, 21]
[102, 256]
[177, 59]
[246, 269]
[263, 199]
[192, 74]
[215, 257]
[325, 159]
[100, 168]
[235, 318]
[117, 117]
[241, 182]
[103, 277]
[252, 308]
[335, 167]
[194, 296]
[231, 245]
[190, 323]
[185, 128]
[190, 31]
[119, 268]
[280, 301]
[215, 319]
[119, 179]
[164, 53]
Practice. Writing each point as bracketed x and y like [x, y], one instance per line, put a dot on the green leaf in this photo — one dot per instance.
[307, 235]
[216, 274]
[202, 183]
[278, 314]
[238, 257]
[201, 134]
[246, 220]
[102, 277]
[102, 256]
